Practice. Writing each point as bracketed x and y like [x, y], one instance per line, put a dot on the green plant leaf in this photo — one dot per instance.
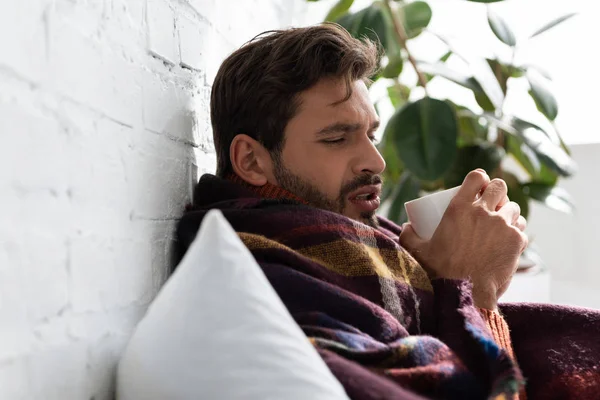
[486, 78]
[407, 190]
[394, 67]
[469, 82]
[553, 197]
[547, 175]
[416, 17]
[424, 134]
[373, 23]
[561, 141]
[446, 56]
[544, 99]
[484, 101]
[398, 94]
[441, 69]
[442, 59]
[523, 154]
[470, 130]
[503, 72]
[501, 28]
[543, 72]
[499, 73]
[480, 70]
[484, 155]
[552, 24]
[394, 166]
[340, 8]
[551, 155]
[514, 71]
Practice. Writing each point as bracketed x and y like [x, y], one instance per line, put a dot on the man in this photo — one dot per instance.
[299, 178]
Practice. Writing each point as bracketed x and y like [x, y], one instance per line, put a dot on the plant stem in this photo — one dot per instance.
[500, 139]
[403, 38]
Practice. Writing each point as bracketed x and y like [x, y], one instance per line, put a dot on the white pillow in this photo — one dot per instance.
[218, 330]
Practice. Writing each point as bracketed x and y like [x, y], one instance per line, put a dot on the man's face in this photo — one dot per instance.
[329, 158]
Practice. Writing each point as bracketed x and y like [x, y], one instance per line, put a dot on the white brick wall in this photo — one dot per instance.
[104, 123]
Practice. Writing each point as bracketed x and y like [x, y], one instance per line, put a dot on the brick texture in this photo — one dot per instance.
[104, 125]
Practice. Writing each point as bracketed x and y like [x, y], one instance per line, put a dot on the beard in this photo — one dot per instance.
[310, 193]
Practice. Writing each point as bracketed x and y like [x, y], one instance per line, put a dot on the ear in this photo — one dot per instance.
[250, 160]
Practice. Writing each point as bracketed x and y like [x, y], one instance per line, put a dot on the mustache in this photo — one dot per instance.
[358, 182]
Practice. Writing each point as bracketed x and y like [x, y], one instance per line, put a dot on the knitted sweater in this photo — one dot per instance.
[384, 329]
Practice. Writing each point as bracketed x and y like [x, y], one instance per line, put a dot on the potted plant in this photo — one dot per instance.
[430, 144]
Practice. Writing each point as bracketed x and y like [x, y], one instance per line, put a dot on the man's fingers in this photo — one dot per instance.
[409, 238]
[511, 213]
[521, 223]
[494, 194]
[525, 242]
[472, 185]
[505, 201]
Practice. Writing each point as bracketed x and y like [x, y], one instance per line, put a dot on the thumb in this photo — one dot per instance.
[409, 238]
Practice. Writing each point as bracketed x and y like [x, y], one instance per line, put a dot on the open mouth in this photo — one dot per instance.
[366, 199]
[366, 196]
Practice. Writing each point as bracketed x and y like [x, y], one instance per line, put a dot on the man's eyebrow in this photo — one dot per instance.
[342, 127]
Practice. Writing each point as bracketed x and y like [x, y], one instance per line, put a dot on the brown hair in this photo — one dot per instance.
[256, 89]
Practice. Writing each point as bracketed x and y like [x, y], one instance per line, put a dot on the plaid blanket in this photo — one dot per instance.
[384, 329]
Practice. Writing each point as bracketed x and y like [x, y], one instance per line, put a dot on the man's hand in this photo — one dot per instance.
[480, 238]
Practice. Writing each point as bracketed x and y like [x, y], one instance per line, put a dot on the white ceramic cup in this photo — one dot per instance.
[426, 212]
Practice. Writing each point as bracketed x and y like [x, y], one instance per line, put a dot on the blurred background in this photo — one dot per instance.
[104, 128]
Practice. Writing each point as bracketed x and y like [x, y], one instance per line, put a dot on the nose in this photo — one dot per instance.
[368, 159]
